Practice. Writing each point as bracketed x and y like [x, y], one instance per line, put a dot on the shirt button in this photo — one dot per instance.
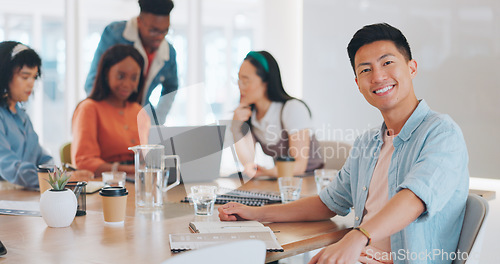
[125, 127]
[375, 154]
[357, 218]
[133, 141]
[364, 188]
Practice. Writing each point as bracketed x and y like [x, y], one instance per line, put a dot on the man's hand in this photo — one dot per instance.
[236, 211]
[347, 250]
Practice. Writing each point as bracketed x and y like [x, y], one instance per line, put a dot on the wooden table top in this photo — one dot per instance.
[144, 235]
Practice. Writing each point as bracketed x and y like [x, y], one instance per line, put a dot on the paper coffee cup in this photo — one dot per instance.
[285, 165]
[43, 176]
[114, 204]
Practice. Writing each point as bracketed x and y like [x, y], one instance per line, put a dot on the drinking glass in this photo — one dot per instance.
[323, 177]
[203, 199]
[289, 188]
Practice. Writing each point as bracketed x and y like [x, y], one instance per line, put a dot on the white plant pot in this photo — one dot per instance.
[58, 208]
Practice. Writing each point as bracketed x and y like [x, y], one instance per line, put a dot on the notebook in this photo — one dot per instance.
[212, 233]
[199, 149]
[251, 198]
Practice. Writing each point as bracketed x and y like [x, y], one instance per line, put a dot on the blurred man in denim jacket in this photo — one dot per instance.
[146, 33]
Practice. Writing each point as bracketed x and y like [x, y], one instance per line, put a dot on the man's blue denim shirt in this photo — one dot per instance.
[430, 159]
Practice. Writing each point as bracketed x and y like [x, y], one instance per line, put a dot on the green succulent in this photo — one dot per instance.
[58, 179]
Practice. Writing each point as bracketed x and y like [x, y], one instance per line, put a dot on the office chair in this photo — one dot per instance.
[334, 153]
[471, 236]
[241, 252]
[65, 153]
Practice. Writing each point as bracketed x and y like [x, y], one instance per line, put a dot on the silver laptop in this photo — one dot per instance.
[199, 148]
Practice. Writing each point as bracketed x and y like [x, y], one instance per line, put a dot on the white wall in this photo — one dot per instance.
[282, 37]
[456, 45]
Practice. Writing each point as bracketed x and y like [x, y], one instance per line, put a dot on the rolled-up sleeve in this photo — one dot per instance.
[440, 170]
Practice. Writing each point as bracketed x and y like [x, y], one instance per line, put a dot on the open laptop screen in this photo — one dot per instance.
[199, 148]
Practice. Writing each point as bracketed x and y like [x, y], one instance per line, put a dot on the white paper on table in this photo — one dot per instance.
[30, 208]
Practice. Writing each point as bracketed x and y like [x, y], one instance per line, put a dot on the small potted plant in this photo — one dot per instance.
[58, 205]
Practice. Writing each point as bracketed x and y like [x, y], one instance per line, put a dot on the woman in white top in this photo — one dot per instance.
[279, 122]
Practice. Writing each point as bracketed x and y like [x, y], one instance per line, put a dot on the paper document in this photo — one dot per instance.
[217, 232]
[19, 208]
[188, 241]
[228, 227]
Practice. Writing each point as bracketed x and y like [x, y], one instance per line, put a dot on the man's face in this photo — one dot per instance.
[152, 30]
[384, 76]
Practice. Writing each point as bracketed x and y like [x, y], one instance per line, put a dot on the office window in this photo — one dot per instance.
[225, 40]
[17, 27]
[91, 40]
[2, 31]
[53, 56]
[228, 35]
[216, 68]
[223, 57]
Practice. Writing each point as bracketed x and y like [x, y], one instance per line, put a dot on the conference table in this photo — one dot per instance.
[144, 236]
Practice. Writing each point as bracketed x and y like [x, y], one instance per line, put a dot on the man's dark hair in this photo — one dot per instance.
[371, 33]
[156, 7]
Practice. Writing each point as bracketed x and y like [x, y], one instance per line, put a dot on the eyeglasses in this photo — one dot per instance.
[156, 32]
[243, 83]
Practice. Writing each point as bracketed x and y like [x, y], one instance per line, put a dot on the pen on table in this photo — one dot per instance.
[277, 231]
[69, 167]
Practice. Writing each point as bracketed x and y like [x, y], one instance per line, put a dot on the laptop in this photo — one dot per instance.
[199, 148]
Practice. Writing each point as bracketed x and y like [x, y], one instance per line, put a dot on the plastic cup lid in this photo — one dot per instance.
[113, 191]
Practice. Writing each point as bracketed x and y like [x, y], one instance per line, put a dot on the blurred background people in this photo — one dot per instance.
[20, 151]
[146, 33]
[279, 122]
[105, 124]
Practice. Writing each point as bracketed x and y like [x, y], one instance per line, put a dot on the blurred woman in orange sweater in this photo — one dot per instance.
[107, 123]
